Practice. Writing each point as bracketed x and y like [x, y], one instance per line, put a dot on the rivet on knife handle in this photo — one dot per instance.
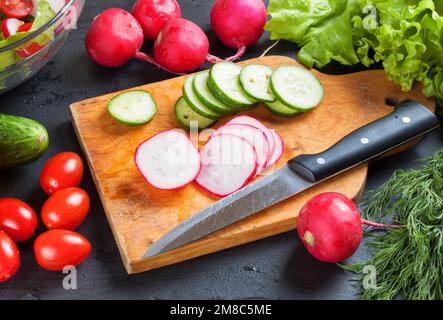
[409, 120]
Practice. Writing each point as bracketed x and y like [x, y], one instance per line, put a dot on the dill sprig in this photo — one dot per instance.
[408, 261]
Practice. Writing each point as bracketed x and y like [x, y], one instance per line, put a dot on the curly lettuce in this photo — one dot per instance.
[405, 35]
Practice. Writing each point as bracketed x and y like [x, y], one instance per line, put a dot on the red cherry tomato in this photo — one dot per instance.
[56, 249]
[17, 219]
[25, 27]
[9, 257]
[66, 209]
[64, 170]
[16, 8]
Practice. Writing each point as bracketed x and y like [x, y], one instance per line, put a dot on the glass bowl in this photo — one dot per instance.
[33, 52]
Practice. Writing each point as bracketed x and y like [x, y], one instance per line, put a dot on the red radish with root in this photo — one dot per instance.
[153, 15]
[115, 37]
[181, 46]
[331, 228]
[168, 160]
[238, 23]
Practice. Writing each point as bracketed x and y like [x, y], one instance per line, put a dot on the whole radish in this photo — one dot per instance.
[153, 15]
[238, 23]
[114, 38]
[181, 46]
[331, 227]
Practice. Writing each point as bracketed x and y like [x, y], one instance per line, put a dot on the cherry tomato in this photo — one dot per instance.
[17, 219]
[16, 8]
[9, 257]
[64, 170]
[56, 249]
[66, 209]
[25, 27]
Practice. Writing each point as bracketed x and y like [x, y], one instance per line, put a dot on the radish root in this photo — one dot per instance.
[214, 59]
[270, 48]
[382, 225]
[147, 58]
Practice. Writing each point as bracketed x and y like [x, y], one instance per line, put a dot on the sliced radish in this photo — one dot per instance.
[10, 26]
[254, 136]
[255, 123]
[168, 160]
[229, 162]
[279, 149]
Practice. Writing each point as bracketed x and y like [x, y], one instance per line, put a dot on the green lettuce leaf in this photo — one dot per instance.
[405, 35]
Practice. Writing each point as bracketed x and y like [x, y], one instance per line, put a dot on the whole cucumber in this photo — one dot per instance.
[22, 141]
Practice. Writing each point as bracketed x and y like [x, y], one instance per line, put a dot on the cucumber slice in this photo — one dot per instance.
[279, 109]
[195, 103]
[185, 115]
[224, 85]
[200, 86]
[254, 80]
[296, 87]
[133, 107]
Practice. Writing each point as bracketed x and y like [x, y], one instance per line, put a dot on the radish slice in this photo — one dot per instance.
[168, 160]
[254, 136]
[229, 162]
[255, 123]
[279, 149]
[10, 26]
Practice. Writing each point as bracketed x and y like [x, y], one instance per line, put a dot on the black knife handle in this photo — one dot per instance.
[409, 120]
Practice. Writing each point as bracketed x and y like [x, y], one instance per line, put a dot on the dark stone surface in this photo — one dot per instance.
[274, 268]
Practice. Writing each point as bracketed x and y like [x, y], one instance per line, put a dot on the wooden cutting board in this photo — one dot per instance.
[140, 214]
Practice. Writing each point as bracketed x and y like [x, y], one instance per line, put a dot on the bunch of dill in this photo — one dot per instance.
[408, 261]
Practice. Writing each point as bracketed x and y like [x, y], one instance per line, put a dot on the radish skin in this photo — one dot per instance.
[278, 150]
[154, 14]
[114, 38]
[330, 227]
[181, 46]
[238, 23]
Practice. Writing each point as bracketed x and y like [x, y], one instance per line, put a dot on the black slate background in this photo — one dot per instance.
[274, 268]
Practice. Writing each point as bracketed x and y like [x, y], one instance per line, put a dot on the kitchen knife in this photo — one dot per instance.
[407, 122]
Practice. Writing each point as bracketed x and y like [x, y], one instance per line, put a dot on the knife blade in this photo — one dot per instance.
[409, 121]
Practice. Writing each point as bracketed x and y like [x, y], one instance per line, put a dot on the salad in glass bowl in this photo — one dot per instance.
[31, 33]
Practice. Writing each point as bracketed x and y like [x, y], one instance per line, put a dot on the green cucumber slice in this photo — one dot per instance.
[185, 115]
[133, 108]
[200, 86]
[224, 84]
[279, 109]
[195, 103]
[254, 80]
[296, 87]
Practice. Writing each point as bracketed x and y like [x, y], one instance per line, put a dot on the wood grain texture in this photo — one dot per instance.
[140, 214]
